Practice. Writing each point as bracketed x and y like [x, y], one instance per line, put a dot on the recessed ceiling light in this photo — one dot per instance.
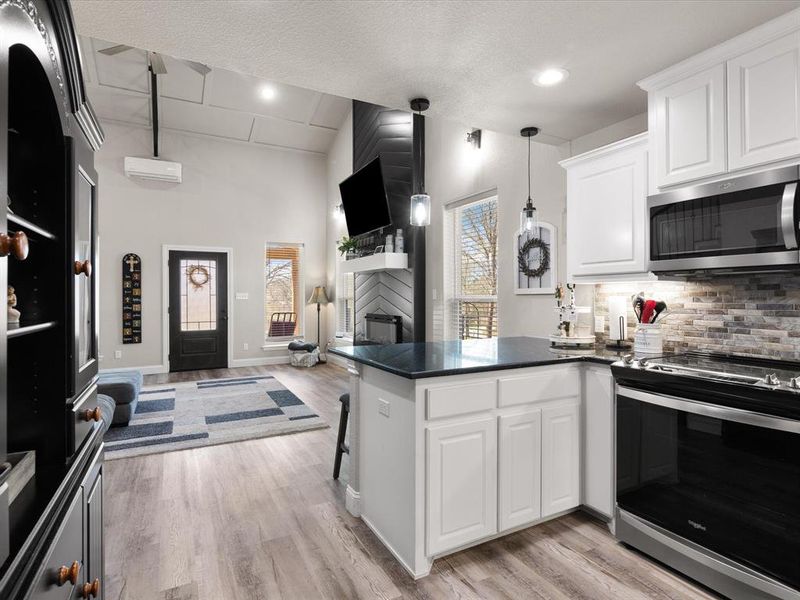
[550, 77]
[267, 92]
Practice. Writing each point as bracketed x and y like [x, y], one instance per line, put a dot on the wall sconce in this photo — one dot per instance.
[474, 137]
[338, 212]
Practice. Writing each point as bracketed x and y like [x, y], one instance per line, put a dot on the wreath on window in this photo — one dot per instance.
[544, 258]
[198, 276]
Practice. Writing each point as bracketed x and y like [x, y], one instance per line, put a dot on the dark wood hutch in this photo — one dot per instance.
[51, 453]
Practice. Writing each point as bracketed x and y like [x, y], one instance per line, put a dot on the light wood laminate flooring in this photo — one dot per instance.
[263, 519]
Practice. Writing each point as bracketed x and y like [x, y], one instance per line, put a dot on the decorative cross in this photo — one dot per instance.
[132, 262]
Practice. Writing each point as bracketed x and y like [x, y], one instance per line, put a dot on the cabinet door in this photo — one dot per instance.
[560, 458]
[598, 447]
[764, 104]
[84, 275]
[520, 475]
[94, 534]
[607, 214]
[689, 138]
[462, 483]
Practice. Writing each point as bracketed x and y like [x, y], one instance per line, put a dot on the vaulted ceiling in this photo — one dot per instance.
[474, 59]
[221, 103]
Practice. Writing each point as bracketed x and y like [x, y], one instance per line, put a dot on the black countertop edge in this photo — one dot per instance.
[591, 358]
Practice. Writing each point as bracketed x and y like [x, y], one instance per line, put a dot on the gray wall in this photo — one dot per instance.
[456, 170]
[233, 195]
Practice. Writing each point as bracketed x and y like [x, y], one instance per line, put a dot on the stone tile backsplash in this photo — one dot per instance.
[754, 315]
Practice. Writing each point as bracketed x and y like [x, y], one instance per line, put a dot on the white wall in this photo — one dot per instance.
[339, 167]
[607, 135]
[233, 195]
[455, 170]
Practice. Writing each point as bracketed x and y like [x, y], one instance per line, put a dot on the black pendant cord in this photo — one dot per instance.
[421, 152]
[529, 169]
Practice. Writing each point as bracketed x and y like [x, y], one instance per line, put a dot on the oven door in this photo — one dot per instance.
[725, 479]
[748, 222]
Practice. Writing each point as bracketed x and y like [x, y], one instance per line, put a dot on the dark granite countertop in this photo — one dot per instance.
[435, 359]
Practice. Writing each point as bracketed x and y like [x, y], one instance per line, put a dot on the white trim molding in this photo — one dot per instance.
[258, 362]
[165, 250]
[146, 370]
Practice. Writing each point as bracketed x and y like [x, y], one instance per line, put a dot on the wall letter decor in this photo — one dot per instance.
[131, 299]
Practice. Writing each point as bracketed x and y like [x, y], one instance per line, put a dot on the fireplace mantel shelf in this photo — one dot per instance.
[382, 261]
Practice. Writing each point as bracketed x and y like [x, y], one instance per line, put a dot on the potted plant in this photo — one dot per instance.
[347, 246]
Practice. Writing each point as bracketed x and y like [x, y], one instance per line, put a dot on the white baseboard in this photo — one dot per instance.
[415, 574]
[147, 370]
[352, 502]
[258, 362]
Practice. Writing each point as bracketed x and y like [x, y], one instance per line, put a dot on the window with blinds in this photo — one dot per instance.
[471, 269]
[283, 291]
[345, 304]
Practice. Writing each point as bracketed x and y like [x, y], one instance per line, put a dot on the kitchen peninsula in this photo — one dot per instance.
[453, 443]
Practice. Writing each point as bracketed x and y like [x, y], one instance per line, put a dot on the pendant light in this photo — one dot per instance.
[420, 202]
[527, 218]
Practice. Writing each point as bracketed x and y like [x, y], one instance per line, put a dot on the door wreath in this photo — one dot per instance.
[198, 276]
[544, 257]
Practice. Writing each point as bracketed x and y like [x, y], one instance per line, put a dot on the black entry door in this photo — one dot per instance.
[198, 310]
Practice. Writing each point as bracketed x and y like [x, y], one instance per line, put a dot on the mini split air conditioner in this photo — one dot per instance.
[153, 168]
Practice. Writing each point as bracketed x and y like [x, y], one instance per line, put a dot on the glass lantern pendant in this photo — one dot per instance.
[420, 213]
[527, 218]
[421, 210]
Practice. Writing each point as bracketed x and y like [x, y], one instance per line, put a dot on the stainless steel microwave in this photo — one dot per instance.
[743, 224]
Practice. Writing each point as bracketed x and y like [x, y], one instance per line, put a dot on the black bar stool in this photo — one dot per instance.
[341, 447]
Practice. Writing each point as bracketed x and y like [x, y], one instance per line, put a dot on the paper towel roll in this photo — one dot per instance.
[617, 317]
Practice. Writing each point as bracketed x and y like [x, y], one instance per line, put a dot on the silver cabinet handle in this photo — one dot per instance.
[787, 216]
[723, 413]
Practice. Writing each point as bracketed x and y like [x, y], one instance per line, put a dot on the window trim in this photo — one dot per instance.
[340, 334]
[279, 341]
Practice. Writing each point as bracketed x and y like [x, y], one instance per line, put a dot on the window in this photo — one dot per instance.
[345, 302]
[471, 269]
[283, 291]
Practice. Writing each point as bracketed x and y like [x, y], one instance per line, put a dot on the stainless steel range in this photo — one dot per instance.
[708, 469]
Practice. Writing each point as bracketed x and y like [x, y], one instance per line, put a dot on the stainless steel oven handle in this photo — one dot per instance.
[724, 413]
[787, 216]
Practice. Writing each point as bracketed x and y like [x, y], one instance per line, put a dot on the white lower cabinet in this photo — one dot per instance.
[461, 483]
[560, 458]
[598, 440]
[520, 476]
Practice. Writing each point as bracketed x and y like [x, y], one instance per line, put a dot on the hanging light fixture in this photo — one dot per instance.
[420, 201]
[527, 218]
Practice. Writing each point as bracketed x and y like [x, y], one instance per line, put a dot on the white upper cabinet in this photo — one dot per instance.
[689, 140]
[606, 211]
[732, 108]
[764, 104]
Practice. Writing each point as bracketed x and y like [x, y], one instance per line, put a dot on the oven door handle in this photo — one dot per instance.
[788, 225]
[723, 413]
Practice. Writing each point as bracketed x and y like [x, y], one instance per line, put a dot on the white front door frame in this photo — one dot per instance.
[165, 250]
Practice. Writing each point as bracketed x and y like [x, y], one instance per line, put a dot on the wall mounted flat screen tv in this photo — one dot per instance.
[364, 200]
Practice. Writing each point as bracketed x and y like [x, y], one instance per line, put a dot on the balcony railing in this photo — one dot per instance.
[477, 318]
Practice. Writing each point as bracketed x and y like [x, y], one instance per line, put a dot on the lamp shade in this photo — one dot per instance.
[318, 296]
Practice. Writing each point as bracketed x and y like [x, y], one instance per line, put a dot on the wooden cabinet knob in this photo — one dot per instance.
[93, 415]
[84, 267]
[70, 574]
[91, 590]
[15, 244]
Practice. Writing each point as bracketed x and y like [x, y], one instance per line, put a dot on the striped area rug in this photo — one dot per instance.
[203, 413]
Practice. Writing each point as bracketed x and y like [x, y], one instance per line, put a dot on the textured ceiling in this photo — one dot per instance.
[220, 104]
[474, 60]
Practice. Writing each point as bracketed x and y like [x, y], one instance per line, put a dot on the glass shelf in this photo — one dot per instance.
[28, 328]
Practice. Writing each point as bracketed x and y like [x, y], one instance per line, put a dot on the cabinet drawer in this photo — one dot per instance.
[452, 400]
[539, 387]
[81, 421]
[66, 549]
